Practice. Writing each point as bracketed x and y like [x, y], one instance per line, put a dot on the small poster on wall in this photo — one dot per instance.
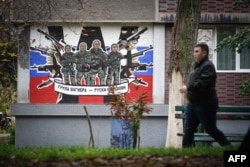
[71, 64]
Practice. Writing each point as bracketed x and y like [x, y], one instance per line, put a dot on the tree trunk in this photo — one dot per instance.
[184, 37]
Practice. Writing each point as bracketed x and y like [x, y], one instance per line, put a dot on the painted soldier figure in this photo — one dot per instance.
[98, 61]
[114, 65]
[67, 62]
[82, 60]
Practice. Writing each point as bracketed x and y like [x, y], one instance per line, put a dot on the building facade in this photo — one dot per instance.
[149, 69]
[44, 27]
[218, 20]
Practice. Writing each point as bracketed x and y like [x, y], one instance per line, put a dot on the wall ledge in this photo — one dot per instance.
[211, 18]
[25, 109]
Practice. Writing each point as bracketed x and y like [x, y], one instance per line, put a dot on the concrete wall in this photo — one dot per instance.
[67, 125]
[84, 11]
[60, 125]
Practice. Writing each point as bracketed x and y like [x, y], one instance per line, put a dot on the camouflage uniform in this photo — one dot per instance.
[97, 66]
[82, 60]
[114, 67]
[67, 63]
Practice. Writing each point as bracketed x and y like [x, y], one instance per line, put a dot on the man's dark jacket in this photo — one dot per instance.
[202, 81]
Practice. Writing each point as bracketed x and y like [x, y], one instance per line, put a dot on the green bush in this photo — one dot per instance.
[8, 75]
[245, 88]
[12, 136]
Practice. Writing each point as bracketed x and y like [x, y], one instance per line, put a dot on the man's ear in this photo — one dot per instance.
[204, 53]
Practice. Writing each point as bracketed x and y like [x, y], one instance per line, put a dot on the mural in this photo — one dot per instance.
[83, 69]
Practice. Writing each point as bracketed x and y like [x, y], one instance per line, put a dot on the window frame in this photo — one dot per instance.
[237, 55]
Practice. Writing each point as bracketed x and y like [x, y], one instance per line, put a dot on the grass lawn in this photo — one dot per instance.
[80, 152]
[80, 156]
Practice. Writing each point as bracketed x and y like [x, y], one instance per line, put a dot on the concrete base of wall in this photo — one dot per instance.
[67, 125]
[46, 125]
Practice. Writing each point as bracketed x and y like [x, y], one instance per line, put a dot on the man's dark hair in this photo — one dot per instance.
[203, 47]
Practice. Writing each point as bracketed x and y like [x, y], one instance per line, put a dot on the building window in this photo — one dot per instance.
[225, 60]
[245, 59]
[228, 60]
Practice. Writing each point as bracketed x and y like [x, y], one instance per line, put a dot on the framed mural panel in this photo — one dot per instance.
[78, 64]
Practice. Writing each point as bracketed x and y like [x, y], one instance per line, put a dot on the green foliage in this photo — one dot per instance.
[239, 41]
[8, 58]
[7, 97]
[12, 132]
[133, 109]
[245, 87]
[8, 62]
[239, 3]
[78, 152]
[8, 74]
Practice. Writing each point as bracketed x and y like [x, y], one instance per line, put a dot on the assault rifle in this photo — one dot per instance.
[49, 68]
[141, 52]
[45, 68]
[140, 67]
[40, 50]
[58, 45]
[135, 36]
[53, 69]
[129, 56]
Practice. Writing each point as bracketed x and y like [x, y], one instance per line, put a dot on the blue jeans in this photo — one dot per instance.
[203, 112]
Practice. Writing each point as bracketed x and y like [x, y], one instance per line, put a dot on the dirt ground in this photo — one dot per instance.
[147, 161]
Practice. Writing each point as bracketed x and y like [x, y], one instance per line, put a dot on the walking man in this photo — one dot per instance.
[203, 101]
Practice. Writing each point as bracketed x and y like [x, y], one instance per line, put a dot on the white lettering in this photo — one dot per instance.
[88, 90]
[78, 89]
[231, 158]
[121, 87]
[100, 89]
[236, 158]
[63, 87]
[243, 158]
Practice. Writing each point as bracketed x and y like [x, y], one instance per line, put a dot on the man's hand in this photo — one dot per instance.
[183, 89]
